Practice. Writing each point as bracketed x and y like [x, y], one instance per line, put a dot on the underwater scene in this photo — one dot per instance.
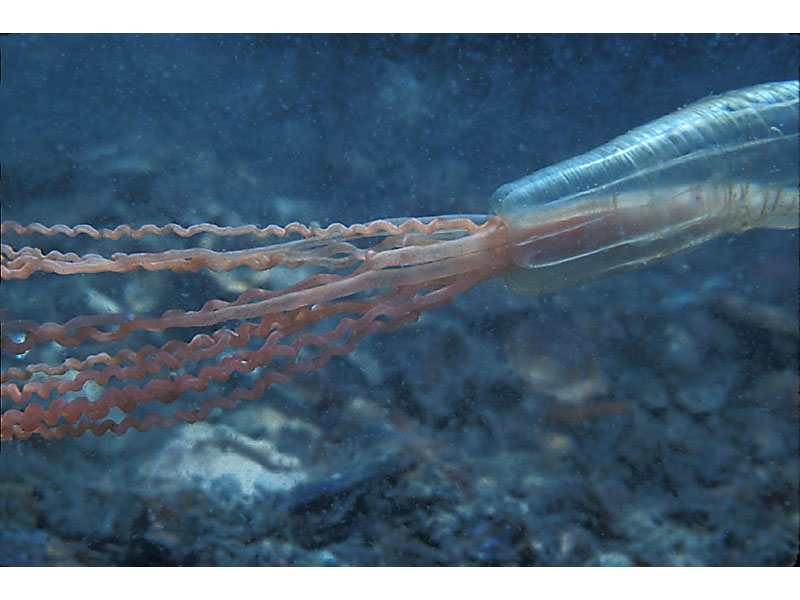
[649, 418]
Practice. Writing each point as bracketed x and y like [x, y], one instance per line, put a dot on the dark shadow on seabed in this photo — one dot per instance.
[650, 418]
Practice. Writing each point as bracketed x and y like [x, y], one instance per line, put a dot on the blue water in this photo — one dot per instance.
[435, 444]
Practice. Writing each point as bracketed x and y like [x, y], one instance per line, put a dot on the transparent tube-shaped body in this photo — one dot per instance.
[721, 165]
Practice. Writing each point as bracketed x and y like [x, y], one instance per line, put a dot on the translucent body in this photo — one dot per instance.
[719, 166]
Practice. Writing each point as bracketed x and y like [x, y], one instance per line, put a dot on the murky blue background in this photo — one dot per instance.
[441, 443]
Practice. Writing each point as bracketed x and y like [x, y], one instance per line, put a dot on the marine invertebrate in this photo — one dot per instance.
[720, 166]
